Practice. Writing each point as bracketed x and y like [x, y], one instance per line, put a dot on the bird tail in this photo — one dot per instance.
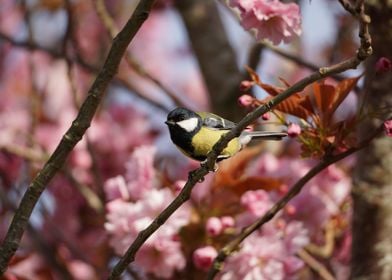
[247, 136]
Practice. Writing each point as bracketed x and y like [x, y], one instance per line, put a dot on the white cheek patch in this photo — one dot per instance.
[188, 125]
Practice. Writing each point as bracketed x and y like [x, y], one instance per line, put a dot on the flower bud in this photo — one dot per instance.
[245, 100]
[388, 128]
[293, 130]
[266, 116]
[383, 65]
[214, 226]
[246, 85]
[204, 256]
[227, 222]
[290, 210]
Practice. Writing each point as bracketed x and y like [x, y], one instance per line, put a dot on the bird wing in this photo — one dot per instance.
[215, 122]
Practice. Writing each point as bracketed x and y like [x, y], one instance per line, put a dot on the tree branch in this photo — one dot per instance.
[233, 245]
[73, 135]
[198, 175]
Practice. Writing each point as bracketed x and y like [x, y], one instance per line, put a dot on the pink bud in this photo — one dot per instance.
[280, 224]
[383, 65]
[266, 116]
[227, 222]
[388, 127]
[178, 186]
[214, 226]
[291, 210]
[246, 85]
[283, 189]
[204, 256]
[245, 100]
[293, 130]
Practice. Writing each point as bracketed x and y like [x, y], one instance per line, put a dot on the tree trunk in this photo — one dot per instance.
[217, 59]
[372, 192]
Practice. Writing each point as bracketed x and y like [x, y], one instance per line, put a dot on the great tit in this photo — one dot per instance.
[195, 133]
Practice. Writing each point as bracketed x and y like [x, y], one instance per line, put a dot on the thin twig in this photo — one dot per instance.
[112, 29]
[41, 245]
[73, 135]
[198, 175]
[325, 250]
[92, 199]
[315, 265]
[98, 180]
[296, 189]
[79, 61]
[26, 153]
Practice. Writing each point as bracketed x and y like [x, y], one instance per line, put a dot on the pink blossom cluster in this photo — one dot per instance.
[269, 254]
[137, 197]
[320, 199]
[270, 19]
[134, 201]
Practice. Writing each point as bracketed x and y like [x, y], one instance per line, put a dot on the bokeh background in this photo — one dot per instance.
[126, 170]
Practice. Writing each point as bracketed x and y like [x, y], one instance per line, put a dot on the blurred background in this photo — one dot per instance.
[126, 170]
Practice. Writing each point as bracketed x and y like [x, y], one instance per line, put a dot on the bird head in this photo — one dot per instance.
[183, 119]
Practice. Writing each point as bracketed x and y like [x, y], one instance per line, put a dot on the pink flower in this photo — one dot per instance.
[116, 187]
[227, 222]
[271, 19]
[245, 100]
[214, 226]
[161, 254]
[139, 177]
[269, 254]
[293, 130]
[388, 128]
[140, 171]
[161, 257]
[204, 256]
[256, 202]
[383, 65]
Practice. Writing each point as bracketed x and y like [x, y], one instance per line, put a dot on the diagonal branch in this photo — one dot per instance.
[197, 175]
[73, 135]
[296, 189]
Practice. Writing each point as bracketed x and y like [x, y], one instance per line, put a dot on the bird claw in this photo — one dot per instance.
[204, 164]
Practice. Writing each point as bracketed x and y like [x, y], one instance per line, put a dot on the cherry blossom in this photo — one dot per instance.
[271, 19]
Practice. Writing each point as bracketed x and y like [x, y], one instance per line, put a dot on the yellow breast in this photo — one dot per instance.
[205, 139]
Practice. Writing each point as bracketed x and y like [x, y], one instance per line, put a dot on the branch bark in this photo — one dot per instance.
[296, 189]
[372, 192]
[73, 135]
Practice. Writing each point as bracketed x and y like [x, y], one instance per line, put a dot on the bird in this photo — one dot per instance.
[195, 133]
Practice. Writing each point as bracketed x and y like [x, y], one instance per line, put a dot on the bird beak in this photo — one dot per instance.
[170, 123]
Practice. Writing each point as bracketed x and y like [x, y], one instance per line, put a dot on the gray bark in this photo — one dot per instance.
[372, 193]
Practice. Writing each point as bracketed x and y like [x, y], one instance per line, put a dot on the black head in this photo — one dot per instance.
[183, 125]
[183, 119]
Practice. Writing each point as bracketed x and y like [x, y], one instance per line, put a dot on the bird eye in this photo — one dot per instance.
[180, 118]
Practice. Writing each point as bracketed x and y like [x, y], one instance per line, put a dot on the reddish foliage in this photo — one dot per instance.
[316, 106]
[232, 176]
